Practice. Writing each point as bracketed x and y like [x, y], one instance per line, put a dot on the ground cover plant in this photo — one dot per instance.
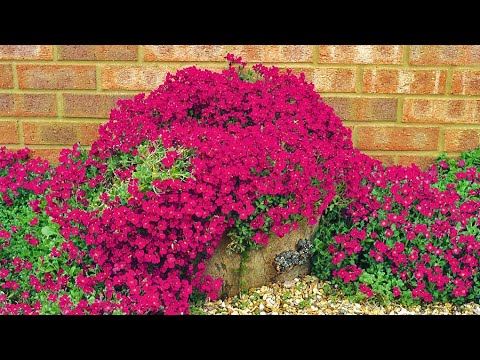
[412, 235]
[126, 226]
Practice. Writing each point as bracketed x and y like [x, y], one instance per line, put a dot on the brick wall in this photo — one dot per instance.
[405, 103]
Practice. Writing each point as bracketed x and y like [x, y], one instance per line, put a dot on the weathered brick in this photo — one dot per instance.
[6, 76]
[364, 109]
[48, 154]
[59, 132]
[386, 159]
[26, 52]
[28, 105]
[459, 140]
[466, 82]
[397, 138]
[88, 133]
[400, 81]
[7, 105]
[185, 52]
[56, 76]
[445, 55]
[274, 53]
[134, 77]
[98, 52]
[360, 54]
[441, 111]
[89, 105]
[8, 132]
[422, 161]
[51, 133]
[330, 79]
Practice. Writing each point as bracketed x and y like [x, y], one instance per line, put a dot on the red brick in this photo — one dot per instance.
[48, 133]
[386, 159]
[445, 55]
[459, 140]
[89, 105]
[134, 77]
[53, 133]
[441, 111]
[400, 81]
[360, 54]
[56, 76]
[98, 52]
[26, 52]
[397, 138]
[88, 133]
[185, 53]
[28, 105]
[274, 53]
[466, 82]
[6, 76]
[8, 132]
[59, 132]
[7, 105]
[422, 161]
[48, 154]
[364, 109]
[330, 79]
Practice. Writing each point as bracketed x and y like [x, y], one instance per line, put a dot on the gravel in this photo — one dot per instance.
[309, 296]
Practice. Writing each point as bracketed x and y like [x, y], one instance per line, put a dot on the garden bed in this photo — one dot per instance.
[221, 178]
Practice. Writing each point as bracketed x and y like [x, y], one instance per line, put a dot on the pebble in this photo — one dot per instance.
[306, 296]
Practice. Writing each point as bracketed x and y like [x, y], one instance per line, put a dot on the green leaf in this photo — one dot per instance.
[72, 271]
[48, 231]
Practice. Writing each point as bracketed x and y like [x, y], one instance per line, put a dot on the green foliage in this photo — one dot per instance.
[147, 167]
[34, 238]
[455, 179]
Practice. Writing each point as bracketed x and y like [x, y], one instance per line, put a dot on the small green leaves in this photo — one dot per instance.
[48, 231]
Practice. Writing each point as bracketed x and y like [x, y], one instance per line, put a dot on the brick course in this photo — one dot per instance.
[404, 103]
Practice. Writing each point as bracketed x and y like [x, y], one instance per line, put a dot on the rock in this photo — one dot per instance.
[260, 267]
[270, 303]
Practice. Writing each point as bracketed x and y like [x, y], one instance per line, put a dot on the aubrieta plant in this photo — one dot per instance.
[247, 153]
[127, 226]
[244, 152]
[40, 271]
[412, 236]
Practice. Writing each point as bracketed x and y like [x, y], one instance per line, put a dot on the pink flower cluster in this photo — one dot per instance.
[271, 137]
[35, 276]
[412, 234]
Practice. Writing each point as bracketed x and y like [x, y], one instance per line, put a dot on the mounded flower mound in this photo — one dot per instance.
[413, 236]
[129, 224]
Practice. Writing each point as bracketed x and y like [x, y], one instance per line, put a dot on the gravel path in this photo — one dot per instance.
[309, 296]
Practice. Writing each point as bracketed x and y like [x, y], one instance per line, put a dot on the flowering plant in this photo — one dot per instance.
[243, 152]
[40, 272]
[413, 235]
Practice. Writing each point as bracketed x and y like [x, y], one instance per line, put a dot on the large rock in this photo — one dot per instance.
[261, 268]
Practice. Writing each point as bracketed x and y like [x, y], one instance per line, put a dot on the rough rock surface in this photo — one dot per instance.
[261, 268]
[288, 259]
